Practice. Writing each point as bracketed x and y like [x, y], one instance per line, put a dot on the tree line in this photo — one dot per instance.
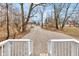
[58, 9]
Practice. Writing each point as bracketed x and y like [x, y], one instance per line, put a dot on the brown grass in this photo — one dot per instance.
[72, 31]
[14, 34]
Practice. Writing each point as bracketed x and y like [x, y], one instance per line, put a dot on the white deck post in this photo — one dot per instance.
[29, 47]
[50, 46]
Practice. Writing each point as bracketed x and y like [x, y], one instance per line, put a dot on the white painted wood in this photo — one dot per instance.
[50, 48]
[59, 49]
[9, 49]
[77, 49]
[17, 47]
[29, 48]
[2, 51]
[67, 47]
[62, 49]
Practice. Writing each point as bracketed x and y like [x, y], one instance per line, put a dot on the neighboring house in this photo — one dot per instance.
[71, 23]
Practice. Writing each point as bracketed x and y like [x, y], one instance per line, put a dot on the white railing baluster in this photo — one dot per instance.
[2, 50]
[74, 50]
[18, 49]
[67, 48]
[29, 46]
[14, 49]
[64, 48]
[51, 48]
[24, 48]
[21, 49]
[53, 44]
[9, 49]
[77, 49]
[58, 49]
[61, 49]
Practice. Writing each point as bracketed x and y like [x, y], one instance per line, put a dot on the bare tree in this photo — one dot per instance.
[41, 11]
[32, 6]
[57, 10]
[67, 16]
[55, 16]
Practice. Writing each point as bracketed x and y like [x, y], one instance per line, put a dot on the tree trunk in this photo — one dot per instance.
[7, 19]
[26, 22]
[42, 19]
[55, 17]
[57, 24]
[22, 10]
[30, 9]
[62, 26]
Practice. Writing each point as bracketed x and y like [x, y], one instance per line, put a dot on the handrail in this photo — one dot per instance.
[74, 40]
[19, 39]
[3, 42]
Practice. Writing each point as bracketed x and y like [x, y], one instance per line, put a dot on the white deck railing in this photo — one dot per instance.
[63, 47]
[16, 47]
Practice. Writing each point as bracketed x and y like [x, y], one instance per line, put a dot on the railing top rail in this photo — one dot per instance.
[3, 42]
[65, 40]
[19, 39]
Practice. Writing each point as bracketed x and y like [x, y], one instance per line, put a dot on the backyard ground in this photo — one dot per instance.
[40, 38]
[72, 31]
